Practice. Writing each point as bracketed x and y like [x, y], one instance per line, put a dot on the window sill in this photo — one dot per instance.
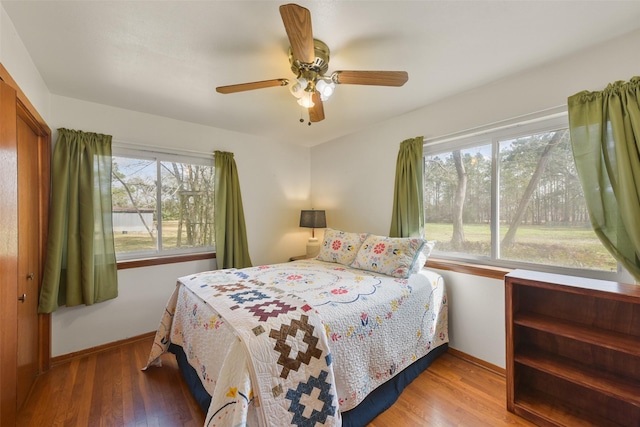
[123, 265]
[439, 264]
[466, 268]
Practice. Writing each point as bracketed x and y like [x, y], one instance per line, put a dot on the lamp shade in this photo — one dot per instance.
[313, 219]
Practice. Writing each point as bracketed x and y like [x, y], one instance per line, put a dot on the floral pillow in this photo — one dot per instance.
[393, 256]
[339, 246]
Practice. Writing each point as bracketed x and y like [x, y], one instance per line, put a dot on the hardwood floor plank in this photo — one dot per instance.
[138, 401]
[108, 388]
[128, 396]
[95, 396]
[81, 390]
[116, 402]
[66, 395]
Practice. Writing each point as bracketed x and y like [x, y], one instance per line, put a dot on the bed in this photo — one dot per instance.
[309, 342]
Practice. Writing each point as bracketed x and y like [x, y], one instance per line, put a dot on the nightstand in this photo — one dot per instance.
[296, 258]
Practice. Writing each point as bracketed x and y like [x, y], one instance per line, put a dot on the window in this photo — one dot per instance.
[511, 197]
[162, 204]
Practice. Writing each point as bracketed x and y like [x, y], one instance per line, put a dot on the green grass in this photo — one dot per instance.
[575, 247]
[135, 242]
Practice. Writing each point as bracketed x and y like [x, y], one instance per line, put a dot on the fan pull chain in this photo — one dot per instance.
[301, 118]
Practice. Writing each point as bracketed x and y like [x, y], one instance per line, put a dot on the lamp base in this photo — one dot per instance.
[313, 247]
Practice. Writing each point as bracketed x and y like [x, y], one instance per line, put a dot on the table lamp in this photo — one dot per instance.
[313, 219]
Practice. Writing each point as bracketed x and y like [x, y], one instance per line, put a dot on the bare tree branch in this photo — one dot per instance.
[126, 187]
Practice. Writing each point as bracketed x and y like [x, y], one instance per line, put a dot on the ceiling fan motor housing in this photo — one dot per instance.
[319, 66]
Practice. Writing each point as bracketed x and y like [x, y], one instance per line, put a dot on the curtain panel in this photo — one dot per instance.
[80, 265]
[232, 250]
[407, 218]
[605, 137]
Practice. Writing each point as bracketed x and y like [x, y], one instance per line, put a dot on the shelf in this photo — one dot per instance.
[577, 285]
[573, 350]
[549, 410]
[599, 337]
[607, 384]
[299, 257]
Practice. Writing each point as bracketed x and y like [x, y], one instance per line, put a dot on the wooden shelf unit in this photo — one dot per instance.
[573, 350]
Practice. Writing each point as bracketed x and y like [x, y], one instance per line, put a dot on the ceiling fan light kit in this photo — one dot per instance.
[326, 87]
[306, 100]
[309, 60]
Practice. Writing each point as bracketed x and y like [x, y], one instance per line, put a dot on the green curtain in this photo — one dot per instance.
[605, 136]
[407, 219]
[80, 265]
[232, 250]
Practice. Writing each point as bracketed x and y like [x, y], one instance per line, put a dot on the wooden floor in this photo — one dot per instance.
[109, 389]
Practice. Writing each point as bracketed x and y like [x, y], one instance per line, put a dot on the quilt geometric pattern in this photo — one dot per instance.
[296, 344]
[281, 336]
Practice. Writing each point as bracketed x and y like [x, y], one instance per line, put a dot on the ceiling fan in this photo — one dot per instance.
[309, 59]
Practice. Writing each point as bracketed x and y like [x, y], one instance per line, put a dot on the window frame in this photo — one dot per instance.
[492, 135]
[159, 255]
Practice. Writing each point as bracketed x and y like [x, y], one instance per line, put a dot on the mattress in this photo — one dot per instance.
[367, 328]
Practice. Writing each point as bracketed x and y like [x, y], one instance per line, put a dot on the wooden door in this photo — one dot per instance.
[28, 259]
[9, 253]
[25, 151]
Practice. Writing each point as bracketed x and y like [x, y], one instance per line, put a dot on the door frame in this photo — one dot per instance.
[9, 262]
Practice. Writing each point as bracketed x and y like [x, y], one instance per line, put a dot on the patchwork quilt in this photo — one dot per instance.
[300, 342]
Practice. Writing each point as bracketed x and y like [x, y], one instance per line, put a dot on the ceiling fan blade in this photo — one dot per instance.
[297, 23]
[316, 113]
[251, 86]
[375, 78]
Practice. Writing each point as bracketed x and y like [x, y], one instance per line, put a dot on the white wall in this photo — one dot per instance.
[357, 194]
[15, 58]
[142, 296]
[476, 316]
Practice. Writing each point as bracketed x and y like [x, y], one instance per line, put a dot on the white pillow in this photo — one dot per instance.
[423, 256]
[339, 246]
[393, 256]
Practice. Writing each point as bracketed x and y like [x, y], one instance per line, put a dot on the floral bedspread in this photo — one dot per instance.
[328, 335]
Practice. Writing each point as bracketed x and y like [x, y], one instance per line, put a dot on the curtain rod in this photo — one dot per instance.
[513, 121]
[169, 150]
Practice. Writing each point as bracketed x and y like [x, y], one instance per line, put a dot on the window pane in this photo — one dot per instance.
[187, 205]
[181, 221]
[457, 200]
[134, 204]
[543, 215]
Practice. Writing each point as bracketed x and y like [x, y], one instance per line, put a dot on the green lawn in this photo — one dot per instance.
[576, 247]
[134, 242]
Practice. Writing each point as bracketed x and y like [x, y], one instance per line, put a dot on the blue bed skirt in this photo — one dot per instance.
[375, 403]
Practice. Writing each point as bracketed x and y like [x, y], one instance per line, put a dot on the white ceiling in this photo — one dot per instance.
[167, 57]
